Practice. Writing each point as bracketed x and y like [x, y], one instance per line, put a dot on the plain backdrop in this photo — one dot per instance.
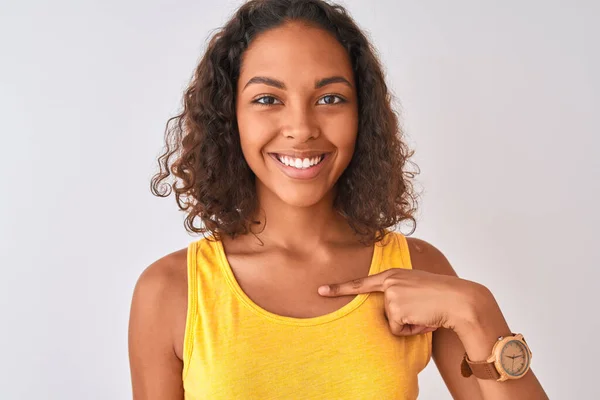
[499, 99]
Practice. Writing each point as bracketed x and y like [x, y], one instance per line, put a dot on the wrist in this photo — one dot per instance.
[481, 323]
[475, 302]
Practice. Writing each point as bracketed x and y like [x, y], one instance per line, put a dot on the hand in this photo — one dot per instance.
[415, 301]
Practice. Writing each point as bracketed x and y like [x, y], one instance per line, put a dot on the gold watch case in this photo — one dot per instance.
[511, 357]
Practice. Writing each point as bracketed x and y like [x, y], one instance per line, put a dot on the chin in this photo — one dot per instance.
[301, 198]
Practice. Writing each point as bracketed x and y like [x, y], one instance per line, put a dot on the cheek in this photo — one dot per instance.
[254, 135]
[348, 142]
[343, 136]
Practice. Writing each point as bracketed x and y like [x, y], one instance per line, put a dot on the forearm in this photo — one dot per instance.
[478, 333]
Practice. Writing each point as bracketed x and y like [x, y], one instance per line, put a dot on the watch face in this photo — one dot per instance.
[514, 358]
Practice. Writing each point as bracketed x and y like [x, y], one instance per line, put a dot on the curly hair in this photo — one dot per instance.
[202, 142]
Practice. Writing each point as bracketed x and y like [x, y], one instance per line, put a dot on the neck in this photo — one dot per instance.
[299, 228]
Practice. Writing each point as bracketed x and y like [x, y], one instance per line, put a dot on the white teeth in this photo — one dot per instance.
[299, 162]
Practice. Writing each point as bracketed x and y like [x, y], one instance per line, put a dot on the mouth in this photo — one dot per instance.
[299, 163]
[306, 168]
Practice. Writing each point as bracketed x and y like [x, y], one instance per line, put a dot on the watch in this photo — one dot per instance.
[510, 359]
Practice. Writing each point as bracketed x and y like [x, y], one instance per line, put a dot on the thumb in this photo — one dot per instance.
[409, 329]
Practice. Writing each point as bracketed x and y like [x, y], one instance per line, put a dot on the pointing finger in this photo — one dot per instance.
[372, 283]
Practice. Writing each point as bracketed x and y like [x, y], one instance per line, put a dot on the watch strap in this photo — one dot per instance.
[481, 369]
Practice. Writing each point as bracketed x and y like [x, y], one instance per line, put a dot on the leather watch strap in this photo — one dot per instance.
[481, 369]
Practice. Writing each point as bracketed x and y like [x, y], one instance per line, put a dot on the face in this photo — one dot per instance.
[297, 112]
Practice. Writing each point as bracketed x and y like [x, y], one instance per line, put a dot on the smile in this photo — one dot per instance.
[300, 163]
[300, 168]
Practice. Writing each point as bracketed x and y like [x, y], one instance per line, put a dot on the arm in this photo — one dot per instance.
[483, 324]
[155, 368]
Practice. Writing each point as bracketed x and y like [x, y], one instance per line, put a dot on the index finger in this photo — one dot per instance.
[371, 283]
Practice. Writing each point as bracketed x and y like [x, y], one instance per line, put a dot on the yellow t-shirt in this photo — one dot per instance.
[234, 349]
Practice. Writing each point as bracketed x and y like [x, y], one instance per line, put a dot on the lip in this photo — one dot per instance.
[300, 154]
[303, 174]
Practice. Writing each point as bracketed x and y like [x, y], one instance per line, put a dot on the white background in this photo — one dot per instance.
[500, 100]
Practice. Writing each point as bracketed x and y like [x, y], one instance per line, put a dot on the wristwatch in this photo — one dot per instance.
[510, 359]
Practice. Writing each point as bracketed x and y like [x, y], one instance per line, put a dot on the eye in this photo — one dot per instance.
[268, 103]
[270, 100]
[331, 96]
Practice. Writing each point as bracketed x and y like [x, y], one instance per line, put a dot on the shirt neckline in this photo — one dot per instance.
[286, 320]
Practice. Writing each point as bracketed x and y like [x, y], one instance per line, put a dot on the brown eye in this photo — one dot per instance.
[332, 101]
[267, 103]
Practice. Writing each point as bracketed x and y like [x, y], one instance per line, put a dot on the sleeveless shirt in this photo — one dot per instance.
[234, 349]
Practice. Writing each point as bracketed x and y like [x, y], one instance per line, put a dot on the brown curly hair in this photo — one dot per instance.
[375, 191]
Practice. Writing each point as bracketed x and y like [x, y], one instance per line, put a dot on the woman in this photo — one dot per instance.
[290, 154]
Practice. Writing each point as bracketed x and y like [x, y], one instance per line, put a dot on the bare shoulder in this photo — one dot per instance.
[168, 273]
[163, 285]
[426, 257]
[156, 326]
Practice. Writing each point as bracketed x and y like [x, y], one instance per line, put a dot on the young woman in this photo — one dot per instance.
[290, 154]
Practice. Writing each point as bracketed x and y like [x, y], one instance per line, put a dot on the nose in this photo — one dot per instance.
[301, 124]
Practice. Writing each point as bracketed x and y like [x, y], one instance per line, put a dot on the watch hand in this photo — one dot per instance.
[520, 355]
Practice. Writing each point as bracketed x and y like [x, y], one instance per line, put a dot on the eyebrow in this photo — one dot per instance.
[280, 85]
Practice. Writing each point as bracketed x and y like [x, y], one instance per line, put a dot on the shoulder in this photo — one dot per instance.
[160, 295]
[426, 257]
[158, 308]
[165, 275]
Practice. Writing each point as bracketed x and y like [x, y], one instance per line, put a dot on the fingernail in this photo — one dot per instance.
[323, 289]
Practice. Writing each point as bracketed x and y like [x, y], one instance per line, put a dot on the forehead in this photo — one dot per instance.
[294, 51]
